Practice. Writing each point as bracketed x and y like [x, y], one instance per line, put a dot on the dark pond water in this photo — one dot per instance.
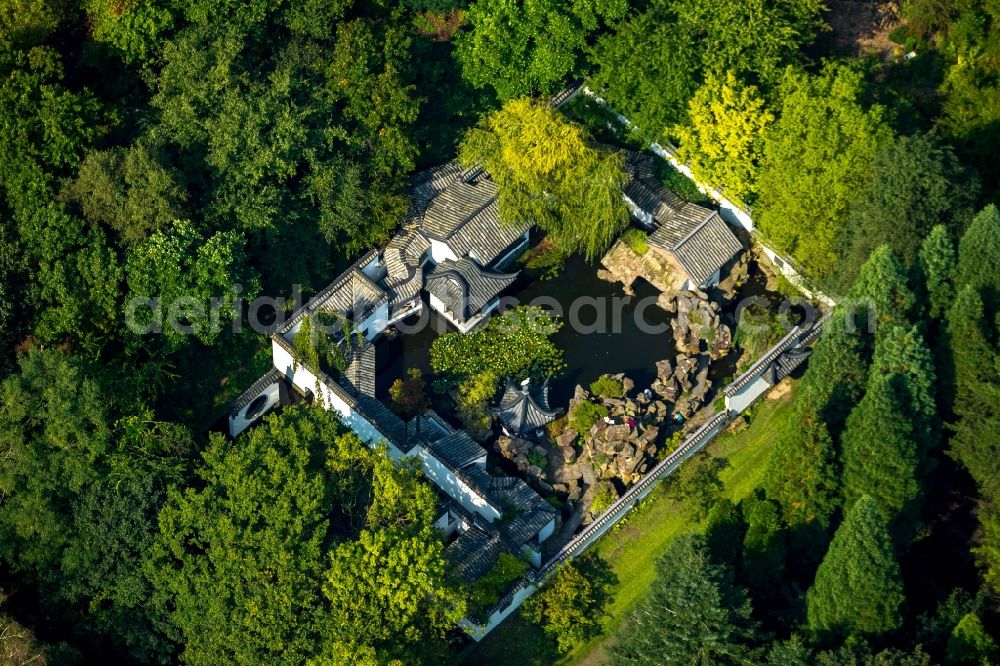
[604, 329]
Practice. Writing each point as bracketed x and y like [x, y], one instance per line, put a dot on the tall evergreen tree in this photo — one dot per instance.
[837, 372]
[764, 550]
[724, 532]
[880, 452]
[882, 288]
[974, 380]
[979, 257]
[936, 274]
[692, 615]
[803, 475]
[916, 183]
[902, 351]
[858, 590]
[976, 442]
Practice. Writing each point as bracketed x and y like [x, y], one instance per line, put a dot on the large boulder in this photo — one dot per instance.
[567, 437]
[722, 344]
[616, 432]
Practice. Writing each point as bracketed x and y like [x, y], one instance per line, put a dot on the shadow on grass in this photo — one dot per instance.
[520, 641]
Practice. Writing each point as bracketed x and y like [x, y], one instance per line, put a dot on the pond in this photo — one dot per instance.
[605, 331]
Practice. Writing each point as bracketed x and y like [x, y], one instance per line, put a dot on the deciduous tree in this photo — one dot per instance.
[193, 279]
[569, 607]
[817, 155]
[723, 143]
[129, 190]
[133, 29]
[548, 172]
[520, 48]
[978, 257]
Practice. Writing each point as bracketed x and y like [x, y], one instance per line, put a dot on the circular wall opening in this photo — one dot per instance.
[256, 407]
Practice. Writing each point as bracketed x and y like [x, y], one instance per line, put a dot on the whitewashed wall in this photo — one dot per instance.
[304, 379]
[440, 251]
[453, 486]
[747, 394]
[240, 422]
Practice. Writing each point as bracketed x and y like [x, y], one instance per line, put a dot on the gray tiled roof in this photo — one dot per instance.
[457, 204]
[464, 287]
[427, 184]
[458, 449]
[486, 237]
[353, 295]
[697, 237]
[525, 410]
[269, 378]
[707, 249]
[360, 371]
[523, 511]
[645, 189]
[460, 208]
[382, 418]
[474, 552]
[786, 364]
[401, 257]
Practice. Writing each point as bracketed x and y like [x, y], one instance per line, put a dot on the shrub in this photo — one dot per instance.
[472, 404]
[556, 428]
[409, 396]
[545, 260]
[585, 415]
[606, 387]
[603, 499]
[758, 329]
[569, 608]
[538, 459]
[489, 589]
[636, 240]
[680, 184]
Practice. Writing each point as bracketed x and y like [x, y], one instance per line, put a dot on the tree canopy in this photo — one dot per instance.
[550, 173]
[245, 560]
[723, 142]
[817, 155]
[692, 614]
[857, 589]
[521, 48]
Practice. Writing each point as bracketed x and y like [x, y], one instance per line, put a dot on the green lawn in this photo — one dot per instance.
[631, 549]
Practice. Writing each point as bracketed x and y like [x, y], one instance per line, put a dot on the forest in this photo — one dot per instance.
[219, 150]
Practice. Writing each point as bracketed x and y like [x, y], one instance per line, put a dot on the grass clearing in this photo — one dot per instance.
[632, 547]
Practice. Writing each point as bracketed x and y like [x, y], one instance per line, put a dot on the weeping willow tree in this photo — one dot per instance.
[549, 172]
